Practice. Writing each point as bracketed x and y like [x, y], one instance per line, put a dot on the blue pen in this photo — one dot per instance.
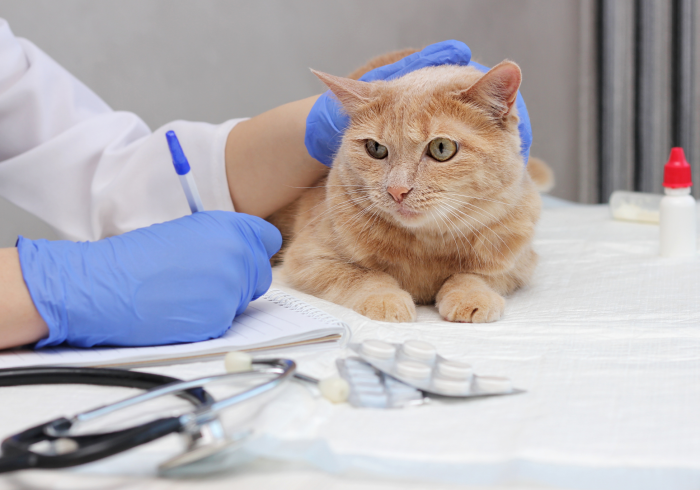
[182, 167]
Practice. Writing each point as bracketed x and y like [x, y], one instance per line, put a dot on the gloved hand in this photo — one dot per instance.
[326, 121]
[180, 281]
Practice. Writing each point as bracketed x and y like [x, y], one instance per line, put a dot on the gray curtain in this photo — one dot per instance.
[645, 94]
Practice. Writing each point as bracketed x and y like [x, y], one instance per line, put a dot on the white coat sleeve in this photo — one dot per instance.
[85, 169]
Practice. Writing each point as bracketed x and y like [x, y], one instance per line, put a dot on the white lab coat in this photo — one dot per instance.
[89, 171]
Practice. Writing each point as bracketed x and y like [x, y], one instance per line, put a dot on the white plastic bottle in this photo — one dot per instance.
[635, 206]
[678, 236]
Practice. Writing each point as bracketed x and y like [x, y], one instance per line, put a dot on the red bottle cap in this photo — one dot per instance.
[677, 170]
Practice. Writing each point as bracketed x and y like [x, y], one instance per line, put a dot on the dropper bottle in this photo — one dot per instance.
[677, 214]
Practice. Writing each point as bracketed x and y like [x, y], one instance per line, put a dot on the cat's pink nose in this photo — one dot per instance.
[398, 193]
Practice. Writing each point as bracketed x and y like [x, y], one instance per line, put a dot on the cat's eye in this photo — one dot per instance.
[442, 149]
[376, 150]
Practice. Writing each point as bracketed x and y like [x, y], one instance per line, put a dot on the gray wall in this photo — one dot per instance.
[212, 60]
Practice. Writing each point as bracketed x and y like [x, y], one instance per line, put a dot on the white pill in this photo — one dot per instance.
[237, 362]
[454, 369]
[334, 389]
[493, 384]
[413, 369]
[417, 349]
[378, 349]
[452, 386]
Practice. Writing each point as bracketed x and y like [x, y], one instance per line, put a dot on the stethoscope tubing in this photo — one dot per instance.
[52, 375]
[16, 450]
[280, 367]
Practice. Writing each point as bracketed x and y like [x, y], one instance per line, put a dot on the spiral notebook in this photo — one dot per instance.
[273, 321]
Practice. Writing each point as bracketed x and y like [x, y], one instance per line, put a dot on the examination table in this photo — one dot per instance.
[605, 341]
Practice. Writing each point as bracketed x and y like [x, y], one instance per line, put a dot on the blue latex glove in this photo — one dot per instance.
[180, 281]
[327, 121]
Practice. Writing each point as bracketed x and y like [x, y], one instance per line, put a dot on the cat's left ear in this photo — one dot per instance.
[350, 93]
[497, 90]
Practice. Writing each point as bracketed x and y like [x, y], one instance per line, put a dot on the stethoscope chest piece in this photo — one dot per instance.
[204, 458]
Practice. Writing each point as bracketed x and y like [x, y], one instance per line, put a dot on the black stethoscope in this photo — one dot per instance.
[52, 445]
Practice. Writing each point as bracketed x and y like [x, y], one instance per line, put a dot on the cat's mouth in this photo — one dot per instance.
[406, 212]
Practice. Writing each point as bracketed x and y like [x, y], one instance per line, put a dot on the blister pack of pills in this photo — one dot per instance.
[417, 364]
[370, 388]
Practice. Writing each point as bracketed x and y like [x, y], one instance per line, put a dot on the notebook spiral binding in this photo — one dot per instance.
[283, 299]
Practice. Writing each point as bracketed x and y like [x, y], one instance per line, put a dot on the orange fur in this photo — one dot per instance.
[459, 238]
[541, 174]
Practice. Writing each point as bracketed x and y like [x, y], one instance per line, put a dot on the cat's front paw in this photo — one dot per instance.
[472, 306]
[387, 306]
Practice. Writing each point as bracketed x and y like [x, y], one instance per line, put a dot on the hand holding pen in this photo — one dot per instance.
[179, 281]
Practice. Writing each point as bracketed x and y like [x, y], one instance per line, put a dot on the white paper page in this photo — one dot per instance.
[265, 323]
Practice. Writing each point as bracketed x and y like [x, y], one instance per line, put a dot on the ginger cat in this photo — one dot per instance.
[428, 200]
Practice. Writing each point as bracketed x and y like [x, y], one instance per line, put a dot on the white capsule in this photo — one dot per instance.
[413, 369]
[237, 362]
[417, 349]
[378, 349]
[455, 369]
[493, 384]
[334, 389]
[452, 386]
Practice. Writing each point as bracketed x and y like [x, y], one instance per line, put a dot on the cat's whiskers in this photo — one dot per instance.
[376, 214]
[447, 219]
[345, 233]
[477, 234]
[323, 201]
[335, 207]
[372, 217]
[494, 176]
[482, 212]
[472, 230]
[331, 185]
[349, 222]
[470, 226]
[356, 217]
[493, 247]
[481, 199]
[441, 234]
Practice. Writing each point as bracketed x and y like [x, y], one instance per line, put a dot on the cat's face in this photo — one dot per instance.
[427, 148]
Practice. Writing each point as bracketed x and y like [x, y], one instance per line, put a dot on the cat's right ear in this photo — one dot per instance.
[350, 93]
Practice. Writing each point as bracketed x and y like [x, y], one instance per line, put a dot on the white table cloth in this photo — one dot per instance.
[606, 341]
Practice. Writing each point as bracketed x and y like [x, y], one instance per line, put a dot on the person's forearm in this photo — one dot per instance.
[267, 165]
[20, 322]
